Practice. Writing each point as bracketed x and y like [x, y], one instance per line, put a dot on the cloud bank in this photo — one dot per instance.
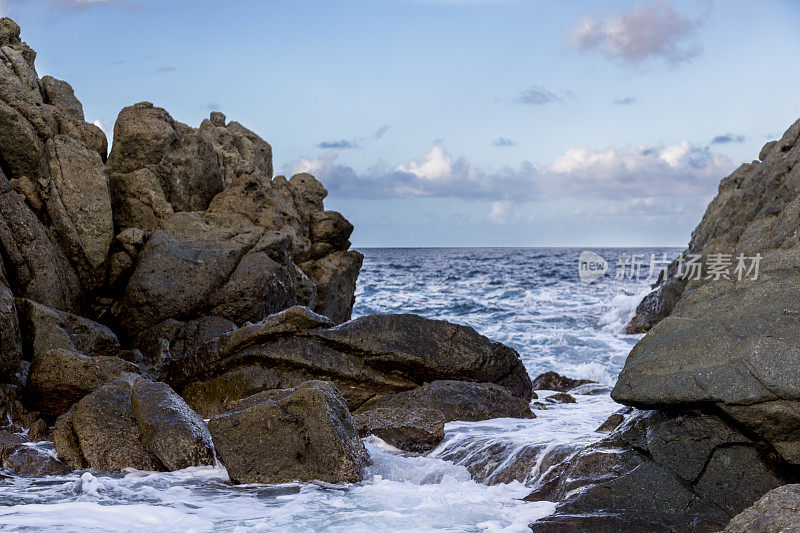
[679, 170]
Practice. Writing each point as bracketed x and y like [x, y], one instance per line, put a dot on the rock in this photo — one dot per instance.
[132, 422]
[456, 400]
[417, 431]
[174, 340]
[301, 434]
[373, 355]
[39, 431]
[9, 441]
[560, 397]
[45, 329]
[35, 267]
[332, 228]
[170, 429]
[59, 378]
[107, 432]
[66, 442]
[755, 210]
[335, 277]
[60, 94]
[777, 511]
[659, 471]
[729, 344]
[611, 423]
[183, 158]
[30, 461]
[206, 264]
[556, 382]
[10, 337]
[138, 200]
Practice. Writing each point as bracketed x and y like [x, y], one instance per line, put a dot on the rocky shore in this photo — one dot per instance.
[714, 381]
[173, 303]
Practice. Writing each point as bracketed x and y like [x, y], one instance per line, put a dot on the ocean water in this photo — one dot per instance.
[531, 299]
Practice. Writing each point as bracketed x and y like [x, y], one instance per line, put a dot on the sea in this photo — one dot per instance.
[532, 299]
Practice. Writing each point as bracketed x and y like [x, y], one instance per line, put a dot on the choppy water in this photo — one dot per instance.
[530, 299]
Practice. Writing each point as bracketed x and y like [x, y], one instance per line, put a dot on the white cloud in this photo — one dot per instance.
[437, 164]
[650, 30]
[682, 169]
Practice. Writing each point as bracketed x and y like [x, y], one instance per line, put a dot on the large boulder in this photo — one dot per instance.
[208, 264]
[79, 206]
[170, 429]
[131, 422]
[299, 434]
[183, 158]
[456, 400]
[659, 471]
[369, 356]
[729, 344]
[58, 378]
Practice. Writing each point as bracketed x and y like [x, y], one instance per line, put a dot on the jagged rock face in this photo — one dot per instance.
[209, 264]
[731, 344]
[132, 422]
[756, 210]
[308, 431]
[369, 356]
[10, 336]
[659, 471]
[777, 512]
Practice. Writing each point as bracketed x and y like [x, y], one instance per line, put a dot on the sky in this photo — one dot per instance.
[458, 122]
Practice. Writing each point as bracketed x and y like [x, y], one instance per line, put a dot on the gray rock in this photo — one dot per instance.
[60, 94]
[778, 511]
[35, 266]
[10, 337]
[131, 422]
[741, 219]
[300, 434]
[45, 329]
[418, 431]
[556, 382]
[335, 277]
[659, 472]
[170, 429]
[183, 158]
[107, 432]
[728, 343]
[206, 264]
[456, 400]
[138, 200]
[59, 378]
[374, 355]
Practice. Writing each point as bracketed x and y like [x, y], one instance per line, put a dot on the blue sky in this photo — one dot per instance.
[458, 122]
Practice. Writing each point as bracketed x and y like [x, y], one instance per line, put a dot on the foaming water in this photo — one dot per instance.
[530, 299]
